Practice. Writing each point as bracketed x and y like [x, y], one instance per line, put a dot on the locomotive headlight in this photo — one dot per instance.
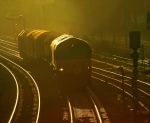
[61, 69]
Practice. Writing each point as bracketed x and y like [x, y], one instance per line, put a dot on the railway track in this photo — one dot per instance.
[121, 61]
[84, 107]
[98, 113]
[27, 102]
[9, 48]
[117, 81]
[8, 43]
[111, 75]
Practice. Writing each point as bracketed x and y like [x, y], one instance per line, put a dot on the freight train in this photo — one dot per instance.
[68, 56]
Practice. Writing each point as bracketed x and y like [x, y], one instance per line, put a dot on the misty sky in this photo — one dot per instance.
[86, 17]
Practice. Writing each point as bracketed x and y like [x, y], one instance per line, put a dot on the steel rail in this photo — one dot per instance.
[70, 108]
[120, 90]
[96, 109]
[17, 96]
[32, 80]
[10, 49]
[18, 56]
[8, 42]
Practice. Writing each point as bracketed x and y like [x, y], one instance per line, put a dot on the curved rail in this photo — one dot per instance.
[32, 80]
[70, 108]
[17, 92]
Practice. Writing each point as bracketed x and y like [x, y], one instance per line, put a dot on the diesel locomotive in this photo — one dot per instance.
[68, 56]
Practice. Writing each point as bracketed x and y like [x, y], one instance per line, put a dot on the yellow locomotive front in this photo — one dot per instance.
[71, 59]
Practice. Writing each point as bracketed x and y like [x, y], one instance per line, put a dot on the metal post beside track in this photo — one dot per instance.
[123, 93]
[134, 55]
[134, 37]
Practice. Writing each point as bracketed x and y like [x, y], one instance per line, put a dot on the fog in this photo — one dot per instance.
[77, 17]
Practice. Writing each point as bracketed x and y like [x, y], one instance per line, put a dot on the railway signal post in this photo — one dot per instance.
[148, 20]
[134, 38]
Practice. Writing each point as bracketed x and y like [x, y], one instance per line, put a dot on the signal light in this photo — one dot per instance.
[148, 20]
[148, 27]
[148, 16]
[134, 38]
